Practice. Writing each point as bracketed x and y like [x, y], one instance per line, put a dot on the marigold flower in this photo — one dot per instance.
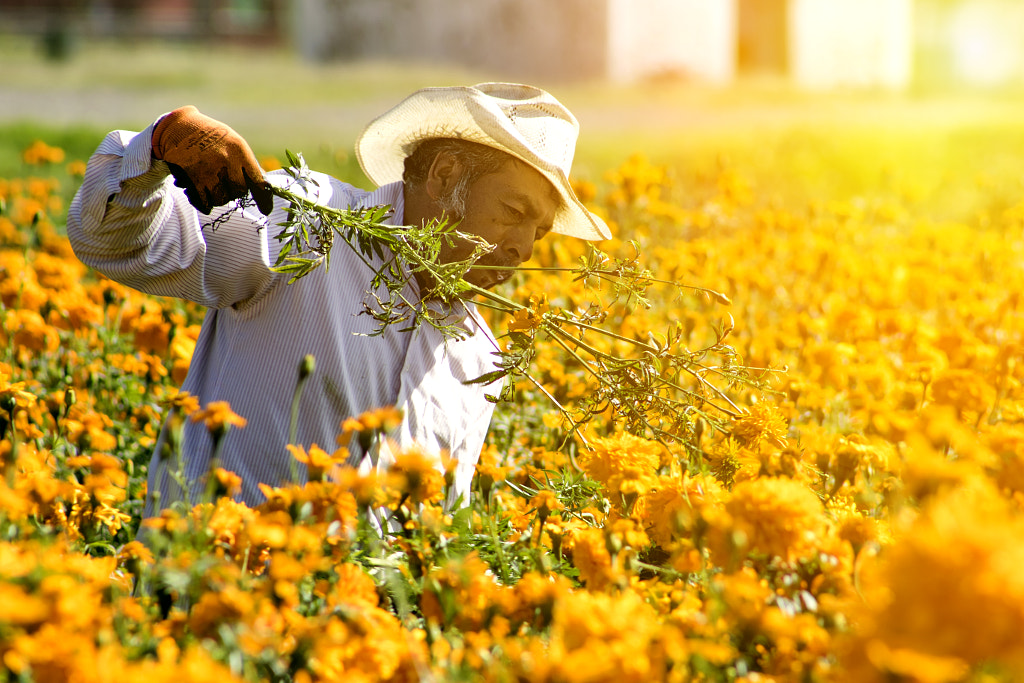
[218, 417]
[545, 503]
[41, 153]
[318, 462]
[591, 557]
[13, 394]
[227, 483]
[616, 460]
[369, 424]
[415, 475]
[762, 421]
[777, 517]
[675, 503]
[182, 401]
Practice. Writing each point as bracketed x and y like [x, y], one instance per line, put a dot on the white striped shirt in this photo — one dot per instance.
[129, 222]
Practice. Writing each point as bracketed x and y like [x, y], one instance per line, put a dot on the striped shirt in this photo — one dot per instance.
[131, 223]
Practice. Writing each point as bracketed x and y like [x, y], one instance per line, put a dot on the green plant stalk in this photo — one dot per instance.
[410, 252]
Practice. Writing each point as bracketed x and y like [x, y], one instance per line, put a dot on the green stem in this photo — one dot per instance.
[306, 367]
[499, 551]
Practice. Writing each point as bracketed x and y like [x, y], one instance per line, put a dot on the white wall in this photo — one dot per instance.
[851, 43]
[695, 37]
[986, 42]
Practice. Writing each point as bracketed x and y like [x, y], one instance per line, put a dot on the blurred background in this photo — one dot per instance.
[668, 78]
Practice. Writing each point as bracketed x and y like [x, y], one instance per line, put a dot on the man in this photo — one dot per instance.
[166, 211]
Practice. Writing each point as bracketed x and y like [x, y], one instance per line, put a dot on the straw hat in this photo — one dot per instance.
[521, 120]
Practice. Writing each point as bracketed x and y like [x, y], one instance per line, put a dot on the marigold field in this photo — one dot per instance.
[856, 515]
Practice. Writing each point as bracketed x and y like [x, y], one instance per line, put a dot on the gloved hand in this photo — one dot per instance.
[212, 162]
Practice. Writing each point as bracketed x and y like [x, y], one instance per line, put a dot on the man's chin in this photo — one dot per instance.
[486, 279]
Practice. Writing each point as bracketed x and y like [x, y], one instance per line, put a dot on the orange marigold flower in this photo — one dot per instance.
[369, 424]
[964, 390]
[218, 416]
[762, 422]
[614, 460]
[13, 394]
[675, 504]
[545, 503]
[414, 473]
[777, 517]
[531, 317]
[182, 401]
[227, 483]
[591, 557]
[318, 462]
[41, 153]
[152, 333]
[137, 551]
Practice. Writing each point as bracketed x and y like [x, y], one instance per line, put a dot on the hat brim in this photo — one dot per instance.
[457, 113]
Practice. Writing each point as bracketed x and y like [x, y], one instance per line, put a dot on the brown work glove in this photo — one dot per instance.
[212, 162]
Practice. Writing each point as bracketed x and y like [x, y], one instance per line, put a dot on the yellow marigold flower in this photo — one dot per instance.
[633, 480]
[225, 606]
[269, 529]
[227, 483]
[152, 333]
[269, 162]
[675, 504]
[964, 390]
[635, 646]
[182, 401]
[135, 551]
[13, 394]
[318, 462]
[218, 416]
[369, 424]
[591, 557]
[777, 517]
[611, 458]
[32, 334]
[41, 153]
[762, 422]
[545, 503]
[463, 593]
[111, 517]
[354, 586]
[76, 168]
[745, 593]
[531, 317]
[626, 533]
[414, 474]
[949, 590]
[488, 471]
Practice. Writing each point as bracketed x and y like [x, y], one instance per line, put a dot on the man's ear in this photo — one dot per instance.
[444, 172]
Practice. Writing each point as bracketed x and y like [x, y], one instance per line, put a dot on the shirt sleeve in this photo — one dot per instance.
[130, 222]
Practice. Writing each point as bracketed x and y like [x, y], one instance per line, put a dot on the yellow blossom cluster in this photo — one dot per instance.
[856, 514]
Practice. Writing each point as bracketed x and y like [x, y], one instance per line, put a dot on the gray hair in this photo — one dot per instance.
[477, 160]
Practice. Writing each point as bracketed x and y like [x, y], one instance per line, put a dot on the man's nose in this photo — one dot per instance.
[520, 244]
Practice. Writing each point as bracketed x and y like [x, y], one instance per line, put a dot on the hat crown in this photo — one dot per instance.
[547, 128]
[522, 120]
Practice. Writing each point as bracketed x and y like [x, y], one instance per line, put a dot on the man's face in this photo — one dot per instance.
[511, 208]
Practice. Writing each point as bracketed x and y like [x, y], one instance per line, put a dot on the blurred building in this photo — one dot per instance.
[815, 44]
[978, 43]
[622, 40]
[243, 20]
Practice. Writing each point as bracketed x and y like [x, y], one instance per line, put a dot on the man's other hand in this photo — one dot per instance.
[212, 162]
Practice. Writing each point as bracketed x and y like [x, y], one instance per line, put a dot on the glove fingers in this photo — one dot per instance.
[196, 198]
[261, 192]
